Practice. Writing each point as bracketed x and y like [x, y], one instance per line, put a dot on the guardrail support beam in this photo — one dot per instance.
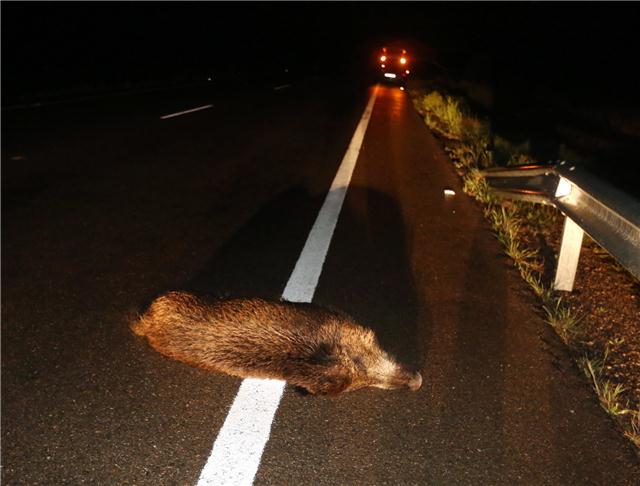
[569, 255]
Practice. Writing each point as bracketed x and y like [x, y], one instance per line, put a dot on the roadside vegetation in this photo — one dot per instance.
[600, 320]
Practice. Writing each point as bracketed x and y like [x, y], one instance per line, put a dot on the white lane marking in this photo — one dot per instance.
[283, 86]
[303, 280]
[185, 112]
[238, 448]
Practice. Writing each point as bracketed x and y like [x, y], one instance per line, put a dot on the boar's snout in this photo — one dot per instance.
[416, 382]
[395, 376]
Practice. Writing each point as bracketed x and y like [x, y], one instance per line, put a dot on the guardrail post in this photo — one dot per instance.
[569, 255]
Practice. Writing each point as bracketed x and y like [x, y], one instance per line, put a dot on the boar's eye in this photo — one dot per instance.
[357, 361]
[323, 355]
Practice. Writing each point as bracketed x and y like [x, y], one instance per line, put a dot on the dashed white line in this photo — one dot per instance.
[283, 86]
[185, 112]
[238, 448]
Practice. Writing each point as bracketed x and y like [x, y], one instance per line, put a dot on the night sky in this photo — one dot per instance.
[589, 46]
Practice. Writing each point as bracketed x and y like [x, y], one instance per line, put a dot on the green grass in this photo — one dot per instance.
[610, 395]
[444, 113]
[542, 217]
[534, 279]
[507, 224]
[562, 318]
[633, 433]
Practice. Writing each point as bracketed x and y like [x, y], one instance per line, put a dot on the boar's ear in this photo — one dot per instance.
[323, 355]
[369, 337]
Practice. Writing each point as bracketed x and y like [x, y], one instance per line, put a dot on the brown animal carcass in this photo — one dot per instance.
[322, 351]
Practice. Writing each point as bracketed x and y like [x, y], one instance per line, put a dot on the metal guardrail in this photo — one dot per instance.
[609, 216]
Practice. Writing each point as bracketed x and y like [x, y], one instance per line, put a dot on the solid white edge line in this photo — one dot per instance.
[238, 448]
[185, 112]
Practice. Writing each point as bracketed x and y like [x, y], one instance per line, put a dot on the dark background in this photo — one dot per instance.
[559, 76]
[589, 47]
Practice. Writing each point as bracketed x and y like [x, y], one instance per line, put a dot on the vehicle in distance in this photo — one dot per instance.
[394, 65]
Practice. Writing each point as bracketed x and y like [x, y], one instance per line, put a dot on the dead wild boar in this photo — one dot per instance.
[322, 351]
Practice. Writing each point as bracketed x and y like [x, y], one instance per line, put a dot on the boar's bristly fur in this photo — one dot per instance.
[322, 351]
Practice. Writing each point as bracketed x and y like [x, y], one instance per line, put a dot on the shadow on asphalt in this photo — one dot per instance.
[366, 274]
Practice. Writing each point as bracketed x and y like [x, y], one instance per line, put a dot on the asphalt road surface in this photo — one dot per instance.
[105, 205]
